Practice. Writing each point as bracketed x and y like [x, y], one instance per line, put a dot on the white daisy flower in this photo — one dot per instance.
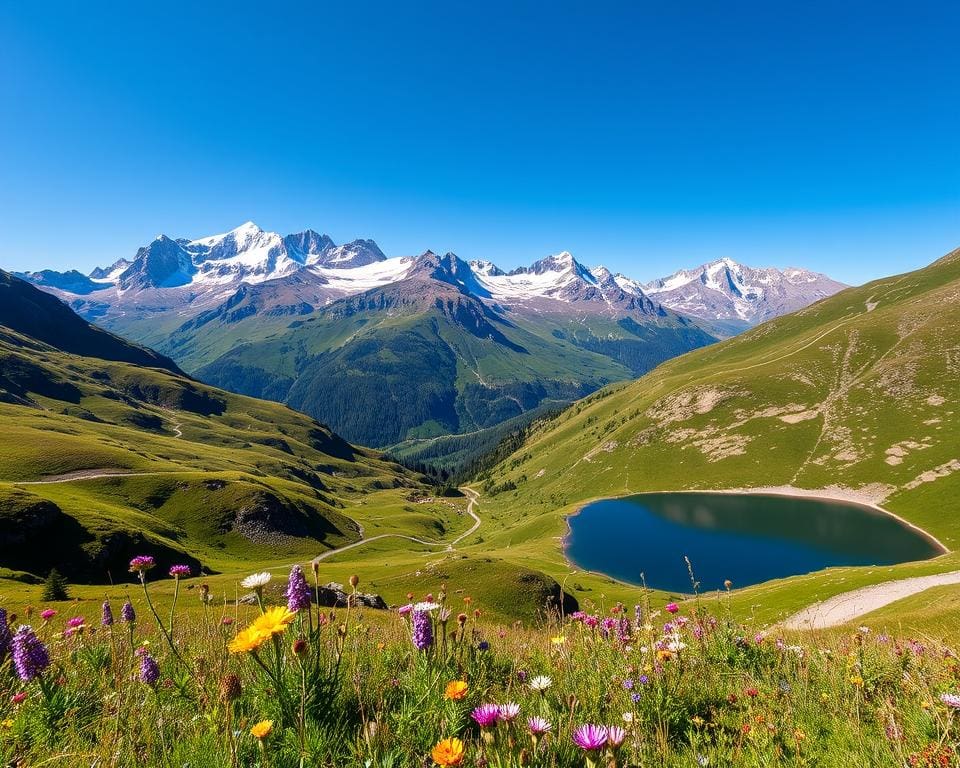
[540, 683]
[425, 606]
[256, 581]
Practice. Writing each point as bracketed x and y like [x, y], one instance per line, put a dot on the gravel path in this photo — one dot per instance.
[858, 602]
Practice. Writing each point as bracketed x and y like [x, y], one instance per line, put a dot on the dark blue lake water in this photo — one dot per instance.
[747, 538]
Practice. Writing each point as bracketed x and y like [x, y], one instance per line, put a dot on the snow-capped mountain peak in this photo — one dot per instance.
[310, 270]
[727, 290]
[486, 268]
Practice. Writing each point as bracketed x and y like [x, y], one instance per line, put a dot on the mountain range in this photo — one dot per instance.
[402, 351]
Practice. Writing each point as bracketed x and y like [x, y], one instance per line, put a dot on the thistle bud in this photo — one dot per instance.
[354, 580]
[230, 688]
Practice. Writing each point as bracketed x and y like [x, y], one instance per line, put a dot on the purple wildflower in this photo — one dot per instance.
[298, 591]
[590, 737]
[403, 610]
[142, 563]
[149, 669]
[30, 656]
[538, 725]
[47, 613]
[178, 571]
[106, 614]
[127, 614]
[628, 684]
[5, 636]
[422, 630]
[486, 715]
[76, 622]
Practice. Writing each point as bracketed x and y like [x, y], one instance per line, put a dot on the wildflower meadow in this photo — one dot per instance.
[276, 680]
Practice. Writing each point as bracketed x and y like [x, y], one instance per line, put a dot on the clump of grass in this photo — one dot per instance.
[432, 683]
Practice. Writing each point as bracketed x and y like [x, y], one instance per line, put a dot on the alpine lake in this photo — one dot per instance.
[746, 538]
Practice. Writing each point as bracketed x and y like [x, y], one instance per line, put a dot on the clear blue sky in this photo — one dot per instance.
[643, 135]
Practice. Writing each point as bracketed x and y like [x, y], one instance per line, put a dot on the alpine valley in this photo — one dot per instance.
[412, 353]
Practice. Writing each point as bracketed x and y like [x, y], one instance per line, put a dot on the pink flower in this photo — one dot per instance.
[508, 712]
[141, 563]
[76, 622]
[486, 715]
[176, 571]
[47, 614]
[538, 725]
[403, 610]
[672, 608]
[18, 698]
[226, 621]
[952, 700]
[590, 737]
[615, 735]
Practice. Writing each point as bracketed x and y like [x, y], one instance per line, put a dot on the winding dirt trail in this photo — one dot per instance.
[848, 606]
[84, 474]
[471, 495]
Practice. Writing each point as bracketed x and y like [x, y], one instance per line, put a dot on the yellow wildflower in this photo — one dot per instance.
[456, 690]
[448, 752]
[274, 621]
[262, 729]
[247, 640]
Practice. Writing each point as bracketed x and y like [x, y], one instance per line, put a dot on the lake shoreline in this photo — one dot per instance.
[837, 495]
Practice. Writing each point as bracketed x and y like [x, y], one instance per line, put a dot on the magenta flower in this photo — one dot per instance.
[76, 622]
[538, 725]
[47, 614]
[508, 712]
[403, 610]
[672, 608]
[142, 563]
[178, 571]
[615, 735]
[590, 737]
[486, 715]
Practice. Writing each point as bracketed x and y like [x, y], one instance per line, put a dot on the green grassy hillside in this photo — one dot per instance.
[858, 394]
[426, 360]
[102, 458]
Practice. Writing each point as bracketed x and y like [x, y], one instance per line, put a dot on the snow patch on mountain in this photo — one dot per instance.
[726, 290]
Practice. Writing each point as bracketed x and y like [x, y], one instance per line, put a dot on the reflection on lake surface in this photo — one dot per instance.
[747, 538]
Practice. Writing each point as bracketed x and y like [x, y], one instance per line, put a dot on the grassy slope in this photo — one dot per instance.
[812, 400]
[217, 479]
[302, 488]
